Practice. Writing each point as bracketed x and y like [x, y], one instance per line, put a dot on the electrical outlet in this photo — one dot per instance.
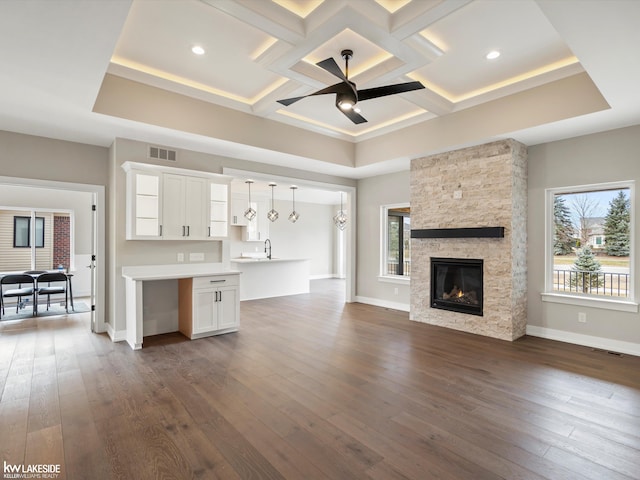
[457, 194]
[196, 257]
[181, 257]
[395, 291]
[582, 317]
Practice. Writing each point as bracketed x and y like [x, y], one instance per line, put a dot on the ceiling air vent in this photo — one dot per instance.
[162, 153]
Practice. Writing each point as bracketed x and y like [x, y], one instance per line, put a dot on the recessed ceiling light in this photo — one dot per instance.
[197, 49]
[492, 55]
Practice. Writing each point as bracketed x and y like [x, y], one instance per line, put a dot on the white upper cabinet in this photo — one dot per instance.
[257, 230]
[218, 210]
[239, 204]
[175, 204]
[143, 205]
[184, 207]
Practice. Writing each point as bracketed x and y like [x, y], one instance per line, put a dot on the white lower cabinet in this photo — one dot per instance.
[209, 305]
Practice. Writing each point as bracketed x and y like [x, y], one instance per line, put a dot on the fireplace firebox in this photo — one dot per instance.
[456, 284]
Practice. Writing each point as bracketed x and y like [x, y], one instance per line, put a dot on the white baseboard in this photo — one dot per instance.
[323, 276]
[116, 336]
[403, 307]
[585, 340]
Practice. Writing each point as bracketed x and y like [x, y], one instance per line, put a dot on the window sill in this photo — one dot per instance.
[584, 301]
[390, 279]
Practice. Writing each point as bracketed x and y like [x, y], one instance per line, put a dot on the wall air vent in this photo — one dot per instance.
[162, 153]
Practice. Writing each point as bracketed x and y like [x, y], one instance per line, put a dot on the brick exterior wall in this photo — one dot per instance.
[493, 182]
[61, 242]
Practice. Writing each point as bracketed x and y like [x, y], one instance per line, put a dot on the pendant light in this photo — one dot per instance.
[272, 214]
[293, 216]
[249, 213]
[341, 218]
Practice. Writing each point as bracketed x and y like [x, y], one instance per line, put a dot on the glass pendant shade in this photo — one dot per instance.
[272, 214]
[293, 216]
[249, 213]
[341, 218]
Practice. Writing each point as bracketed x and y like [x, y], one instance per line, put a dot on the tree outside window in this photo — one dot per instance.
[591, 242]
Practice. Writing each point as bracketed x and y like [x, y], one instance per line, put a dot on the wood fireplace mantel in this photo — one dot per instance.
[471, 232]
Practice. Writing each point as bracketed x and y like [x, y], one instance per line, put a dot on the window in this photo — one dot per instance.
[590, 242]
[396, 242]
[22, 232]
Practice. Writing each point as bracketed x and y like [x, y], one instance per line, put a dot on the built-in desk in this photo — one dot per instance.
[135, 275]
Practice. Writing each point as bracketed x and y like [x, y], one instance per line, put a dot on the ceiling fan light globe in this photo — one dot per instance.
[345, 105]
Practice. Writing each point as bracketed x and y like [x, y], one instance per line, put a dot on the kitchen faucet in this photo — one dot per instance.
[267, 242]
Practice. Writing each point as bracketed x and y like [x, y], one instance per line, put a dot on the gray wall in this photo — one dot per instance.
[374, 192]
[26, 156]
[604, 157]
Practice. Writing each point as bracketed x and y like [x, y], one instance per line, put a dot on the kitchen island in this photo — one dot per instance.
[276, 277]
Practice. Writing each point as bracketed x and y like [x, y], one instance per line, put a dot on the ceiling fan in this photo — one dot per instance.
[347, 95]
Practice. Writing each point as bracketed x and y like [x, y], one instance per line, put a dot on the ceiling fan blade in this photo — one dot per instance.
[376, 92]
[288, 101]
[353, 116]
[332, 67]
[338, 87]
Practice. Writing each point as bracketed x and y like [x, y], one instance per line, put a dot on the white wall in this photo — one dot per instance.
[374, 192]
[604, 157]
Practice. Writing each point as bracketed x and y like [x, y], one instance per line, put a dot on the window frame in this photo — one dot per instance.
[29, 218]
[628, 304]
[384, 245]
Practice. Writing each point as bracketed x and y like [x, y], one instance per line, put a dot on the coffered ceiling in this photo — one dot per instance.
[257, 52]
[91, 71]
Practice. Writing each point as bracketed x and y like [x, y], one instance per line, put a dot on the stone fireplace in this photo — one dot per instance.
[469, 239]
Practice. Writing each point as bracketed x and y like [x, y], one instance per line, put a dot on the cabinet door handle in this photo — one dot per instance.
[235, 219]
[188, 227]
[183, 230]
[160, 230]
[209, 231]
[217, 281]
[219, 296]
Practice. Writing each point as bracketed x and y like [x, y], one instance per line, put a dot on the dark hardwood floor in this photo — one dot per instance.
[311, 388]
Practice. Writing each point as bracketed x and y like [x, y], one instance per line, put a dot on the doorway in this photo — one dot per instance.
[68, 233]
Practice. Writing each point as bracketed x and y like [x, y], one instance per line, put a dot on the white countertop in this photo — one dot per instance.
[180, 270]
[266, 260]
